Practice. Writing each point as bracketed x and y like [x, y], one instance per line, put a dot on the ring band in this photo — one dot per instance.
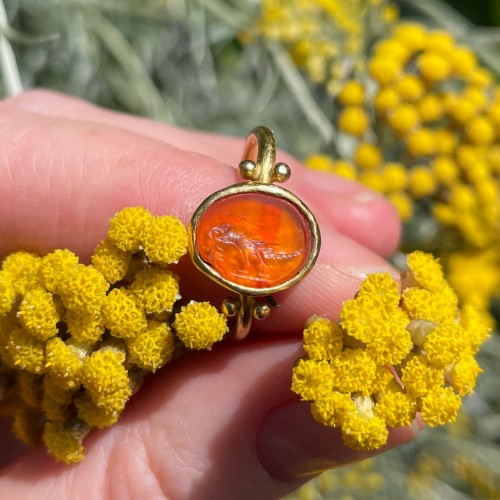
[254, 238]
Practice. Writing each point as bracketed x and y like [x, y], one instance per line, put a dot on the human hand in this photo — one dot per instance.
[220, 424]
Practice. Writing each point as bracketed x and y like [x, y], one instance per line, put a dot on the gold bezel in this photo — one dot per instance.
[253, 187]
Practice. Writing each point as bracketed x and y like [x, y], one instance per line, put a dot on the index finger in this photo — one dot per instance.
[61, 180]
[349, 207]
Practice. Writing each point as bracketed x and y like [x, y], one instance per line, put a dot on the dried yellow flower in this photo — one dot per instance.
[362, 430]
[199, 325]
[312, 379]
[83, 290]
[22, 268]
[85, 327]
[63, 363]
[396, 408]
[55, 267]
[7, 293]
[425, 271]
[25, 351]
[111, 261]
[122, 314]
[106, 379]
[164, 239]
[322, 338]
[440, 406]
[153, 347]
[127, 226]
[27, 425]
[30, 388]
[64, 442]
[332, 408]
[73, 343]
[156, 289]
[393, 353]
[93, 415]
[38, 314]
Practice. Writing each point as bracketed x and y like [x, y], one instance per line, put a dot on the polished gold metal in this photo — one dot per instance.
[259, 168]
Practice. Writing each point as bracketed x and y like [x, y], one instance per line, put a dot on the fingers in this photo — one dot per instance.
[352, 209]
[48, 103]
[294, 447]
[207, 426]
[61, 180]
[336, 276]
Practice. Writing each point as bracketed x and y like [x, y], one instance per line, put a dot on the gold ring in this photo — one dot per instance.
[254, 238]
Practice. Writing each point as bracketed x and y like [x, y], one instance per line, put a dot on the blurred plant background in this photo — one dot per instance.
[402, 96]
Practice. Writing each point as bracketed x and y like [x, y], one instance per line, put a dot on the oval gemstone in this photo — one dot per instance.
[256, 240]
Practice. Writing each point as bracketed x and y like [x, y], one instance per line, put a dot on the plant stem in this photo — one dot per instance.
[301, 92]
[8, 64]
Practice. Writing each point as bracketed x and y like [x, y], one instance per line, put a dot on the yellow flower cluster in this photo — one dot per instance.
[199, 326]
[475, 275]
[77, 339]
[319, 34]
[424, 125]
[435, 113]
[392, 354]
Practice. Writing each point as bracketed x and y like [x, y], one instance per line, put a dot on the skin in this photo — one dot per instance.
[214, 425]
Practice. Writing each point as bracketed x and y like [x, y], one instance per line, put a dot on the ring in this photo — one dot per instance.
[254, 238]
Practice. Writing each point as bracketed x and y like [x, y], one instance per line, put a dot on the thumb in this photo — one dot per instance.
[214, 425]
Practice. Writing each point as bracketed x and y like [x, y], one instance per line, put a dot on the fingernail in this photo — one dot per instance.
[292, 445]
[363, 272]
[364, 211]
[314, 182]
[366, 197]
[351, 258]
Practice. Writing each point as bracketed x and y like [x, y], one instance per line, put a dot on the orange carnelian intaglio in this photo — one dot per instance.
[255, 240]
